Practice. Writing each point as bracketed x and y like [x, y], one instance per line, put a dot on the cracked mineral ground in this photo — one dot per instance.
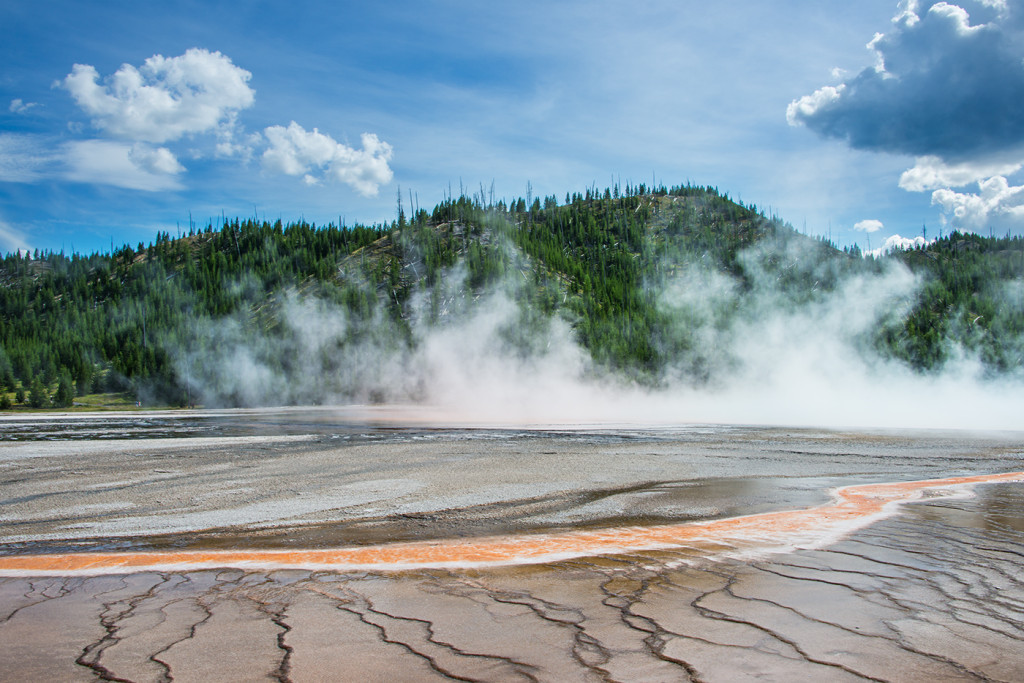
[776, 554]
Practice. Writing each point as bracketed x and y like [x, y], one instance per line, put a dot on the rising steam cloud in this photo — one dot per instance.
[754, 355]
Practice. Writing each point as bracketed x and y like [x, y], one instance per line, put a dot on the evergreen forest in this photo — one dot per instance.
[654, 284]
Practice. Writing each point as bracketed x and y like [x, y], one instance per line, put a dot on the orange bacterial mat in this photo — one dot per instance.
[853, 507]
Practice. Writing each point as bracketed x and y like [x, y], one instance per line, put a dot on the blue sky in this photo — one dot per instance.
[866, 121]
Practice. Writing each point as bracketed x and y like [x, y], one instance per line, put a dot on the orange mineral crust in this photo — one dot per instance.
[852, 507]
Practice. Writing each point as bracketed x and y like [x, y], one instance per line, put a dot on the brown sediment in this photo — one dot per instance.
[853, 507]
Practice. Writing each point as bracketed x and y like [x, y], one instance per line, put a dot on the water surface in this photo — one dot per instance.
[933, 592]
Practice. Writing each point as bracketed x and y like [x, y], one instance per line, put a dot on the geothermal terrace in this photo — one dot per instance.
[369, 544]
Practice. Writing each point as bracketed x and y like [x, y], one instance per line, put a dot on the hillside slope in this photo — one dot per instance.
[650, 287]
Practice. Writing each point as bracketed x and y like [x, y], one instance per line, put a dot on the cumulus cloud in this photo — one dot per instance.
[996, 205]
[946, 86]
[931, 173]
[897, 243]
[134, 167]
[154, 159]
[941, 85]
[19, 106]
[870, 225]
[145, 113]
[166, 99]
[311, 154]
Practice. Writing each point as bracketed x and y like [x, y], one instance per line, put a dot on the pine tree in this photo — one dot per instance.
[37, 394]
[65, 391]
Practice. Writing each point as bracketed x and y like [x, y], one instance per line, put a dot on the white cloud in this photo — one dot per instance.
[297, 152]
[996, 205]
[940, 85]
[870, 225]
[23, 158]
[1001, 6]
[807, 106]
[32, 158]
[931, 173]
[134, 167]
[146, 109]
[166, 99]
[158, 160]
[898, 242]
[946, 86]
[229, 146]
[19, 106]
[293, 149]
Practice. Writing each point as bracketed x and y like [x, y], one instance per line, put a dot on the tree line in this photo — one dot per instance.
[112, 322]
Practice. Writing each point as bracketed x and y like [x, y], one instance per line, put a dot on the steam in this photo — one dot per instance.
[764, 352]
[305, 350]
[806, 355]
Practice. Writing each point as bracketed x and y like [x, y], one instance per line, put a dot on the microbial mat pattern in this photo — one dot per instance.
[854, 506]
[853, 564]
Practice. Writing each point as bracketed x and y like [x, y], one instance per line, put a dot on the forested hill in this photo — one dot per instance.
[654, 285]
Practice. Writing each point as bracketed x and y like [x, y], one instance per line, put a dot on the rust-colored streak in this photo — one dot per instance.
[853, 507]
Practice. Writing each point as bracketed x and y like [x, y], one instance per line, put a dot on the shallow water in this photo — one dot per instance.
[932, 592]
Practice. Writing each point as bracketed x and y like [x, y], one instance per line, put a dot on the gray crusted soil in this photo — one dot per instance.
[935, 593]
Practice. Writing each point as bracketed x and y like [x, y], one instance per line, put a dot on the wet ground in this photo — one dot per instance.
[932, 592]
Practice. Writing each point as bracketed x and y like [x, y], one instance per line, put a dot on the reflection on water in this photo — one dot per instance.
[997, 508]
[853, 507]
[358, 424]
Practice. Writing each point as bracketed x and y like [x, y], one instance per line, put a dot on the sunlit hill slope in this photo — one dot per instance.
[648, 287]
